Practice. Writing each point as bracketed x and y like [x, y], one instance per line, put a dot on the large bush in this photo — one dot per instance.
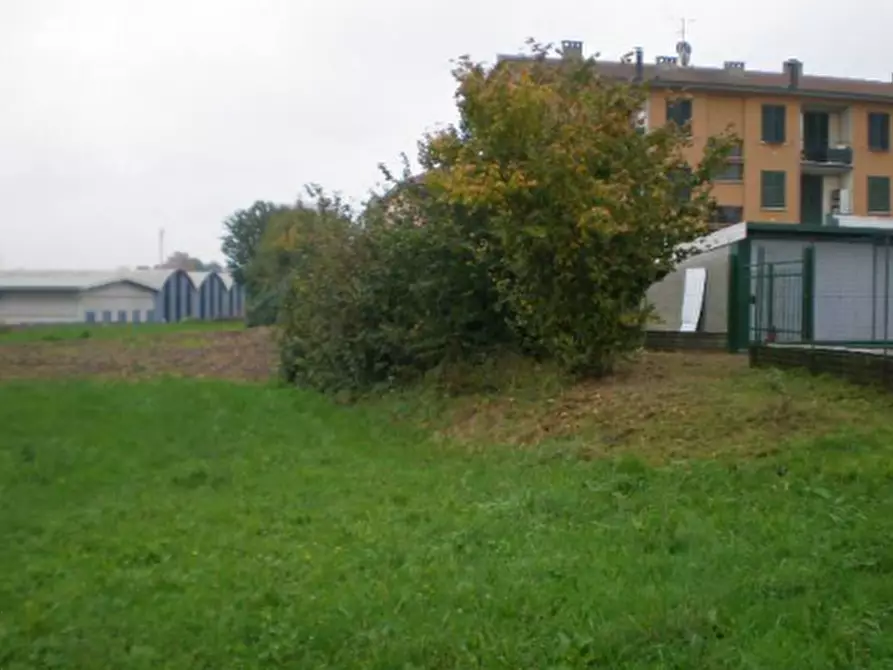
[538, 224]
[386, 299]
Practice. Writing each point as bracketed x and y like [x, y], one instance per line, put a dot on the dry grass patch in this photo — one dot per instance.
[660, 406]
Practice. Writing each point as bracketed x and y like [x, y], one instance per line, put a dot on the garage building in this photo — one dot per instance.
[788, 283]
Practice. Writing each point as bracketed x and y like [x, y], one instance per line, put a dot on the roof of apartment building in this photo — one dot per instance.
[734, 77]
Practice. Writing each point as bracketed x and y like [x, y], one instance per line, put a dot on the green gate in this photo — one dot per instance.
[781, 301]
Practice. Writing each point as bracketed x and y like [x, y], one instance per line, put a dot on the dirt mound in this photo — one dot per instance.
[248, 355]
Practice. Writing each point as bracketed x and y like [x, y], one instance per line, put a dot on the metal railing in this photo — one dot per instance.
[826, 154]
[841, 299]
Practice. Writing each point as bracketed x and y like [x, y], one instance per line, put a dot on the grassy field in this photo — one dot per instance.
[715, 517]
[109, 331]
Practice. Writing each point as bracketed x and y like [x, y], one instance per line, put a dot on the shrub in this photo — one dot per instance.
[383, 300]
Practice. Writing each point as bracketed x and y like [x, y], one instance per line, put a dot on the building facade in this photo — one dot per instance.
[811, 146]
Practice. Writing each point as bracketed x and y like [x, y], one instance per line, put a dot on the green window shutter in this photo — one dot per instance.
[878, 195]
[774, 124]
[772, 189]
[879, 131]
[679, 111]
[685, 110]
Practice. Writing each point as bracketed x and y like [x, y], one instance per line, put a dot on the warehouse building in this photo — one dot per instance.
[829, 285]
[211, 296]
[235, 295]
[167, 296]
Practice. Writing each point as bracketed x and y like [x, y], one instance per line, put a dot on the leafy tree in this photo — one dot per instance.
[244, 230]
[288, 233]
[583, 212]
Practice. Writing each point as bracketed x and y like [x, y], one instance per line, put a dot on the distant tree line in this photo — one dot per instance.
[536, 226]
[180, 260]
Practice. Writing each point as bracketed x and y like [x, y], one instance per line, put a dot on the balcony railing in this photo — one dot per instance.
[832, 155]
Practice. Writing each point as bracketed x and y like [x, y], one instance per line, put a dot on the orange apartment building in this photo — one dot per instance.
[811, 146]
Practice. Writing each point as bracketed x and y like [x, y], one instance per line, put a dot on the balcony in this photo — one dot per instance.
[818, 159]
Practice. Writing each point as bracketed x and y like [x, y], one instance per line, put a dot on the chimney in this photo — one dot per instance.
[733, 66]
[794, 69]
[571, 49]
[640, 64]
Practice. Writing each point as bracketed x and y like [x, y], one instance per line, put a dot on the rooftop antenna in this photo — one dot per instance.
[683, 47]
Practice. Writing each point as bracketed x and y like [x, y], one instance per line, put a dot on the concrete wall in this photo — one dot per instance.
[873, 368]
[24, 307]
[666, 295]
[121, 301]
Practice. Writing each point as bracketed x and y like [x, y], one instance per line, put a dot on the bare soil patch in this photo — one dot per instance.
[246, 355]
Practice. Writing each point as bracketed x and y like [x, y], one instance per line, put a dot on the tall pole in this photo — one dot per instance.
[161, 246]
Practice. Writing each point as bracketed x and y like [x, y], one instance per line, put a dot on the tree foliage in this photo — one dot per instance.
[285, 248]
[586, 211]
[244, 230]
[538, 223]
[380, 298]
[181, 260]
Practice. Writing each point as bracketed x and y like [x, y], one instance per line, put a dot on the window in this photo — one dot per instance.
[679, 111]
[737, 152]
[772, 189]
[681, 180]
[731, 172]
[878, 195]
[726, 214]
[774, 124]
[122, 316]
[879, 131]
[107, 316]
[90, 317]
[135, 317]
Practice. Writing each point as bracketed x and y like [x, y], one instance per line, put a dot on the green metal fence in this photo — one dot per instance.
[845, 299]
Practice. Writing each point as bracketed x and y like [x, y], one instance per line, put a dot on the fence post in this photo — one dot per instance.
[770, 303]
[886, 303]
[807, 294]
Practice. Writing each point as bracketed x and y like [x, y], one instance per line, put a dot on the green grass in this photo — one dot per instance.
[185, 524]
[108, 331]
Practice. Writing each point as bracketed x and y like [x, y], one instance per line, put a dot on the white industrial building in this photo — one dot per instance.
[166, 296]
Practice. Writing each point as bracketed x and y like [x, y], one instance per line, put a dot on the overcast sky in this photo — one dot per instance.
[120, 117]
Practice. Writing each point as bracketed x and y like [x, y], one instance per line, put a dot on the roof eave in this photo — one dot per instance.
[657, 82]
